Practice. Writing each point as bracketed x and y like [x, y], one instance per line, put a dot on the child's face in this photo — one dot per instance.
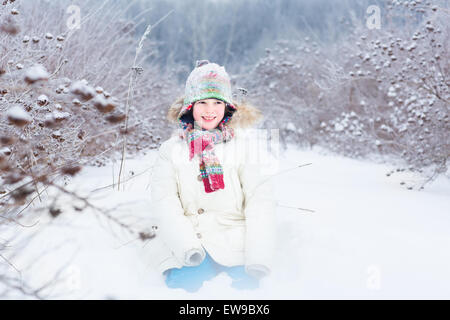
[208, 113]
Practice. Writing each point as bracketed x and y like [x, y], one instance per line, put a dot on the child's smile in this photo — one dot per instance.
[209, 112]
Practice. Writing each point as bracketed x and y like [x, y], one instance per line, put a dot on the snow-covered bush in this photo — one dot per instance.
[63, 96]
[379, 91]
[286, 83]
[401, 86]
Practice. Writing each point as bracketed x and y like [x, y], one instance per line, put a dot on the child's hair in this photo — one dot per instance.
[188, 117]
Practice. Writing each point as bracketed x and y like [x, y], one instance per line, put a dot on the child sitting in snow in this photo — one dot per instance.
[213, 215]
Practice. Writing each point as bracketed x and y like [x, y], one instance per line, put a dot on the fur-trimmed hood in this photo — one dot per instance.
[245, 116]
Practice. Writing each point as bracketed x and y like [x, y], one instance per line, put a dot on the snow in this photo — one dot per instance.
[368, 237]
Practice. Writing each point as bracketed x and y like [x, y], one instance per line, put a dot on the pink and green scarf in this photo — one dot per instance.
[201, 142]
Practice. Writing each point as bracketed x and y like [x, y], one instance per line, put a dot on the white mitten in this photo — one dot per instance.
[194, 256]
[257, 271]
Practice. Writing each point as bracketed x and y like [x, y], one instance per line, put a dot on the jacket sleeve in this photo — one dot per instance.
[259, 208]
[173, 226]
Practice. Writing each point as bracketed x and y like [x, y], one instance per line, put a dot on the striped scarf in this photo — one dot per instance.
[202, 142]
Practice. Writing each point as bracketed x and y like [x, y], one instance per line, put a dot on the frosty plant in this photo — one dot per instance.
[378, 91]
[61, 103]
[136, 70]
[408, 114]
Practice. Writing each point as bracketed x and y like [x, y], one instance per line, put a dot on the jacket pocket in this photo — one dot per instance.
[236, 238]
[230, 219]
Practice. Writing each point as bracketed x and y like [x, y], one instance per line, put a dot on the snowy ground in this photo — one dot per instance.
[369, 237]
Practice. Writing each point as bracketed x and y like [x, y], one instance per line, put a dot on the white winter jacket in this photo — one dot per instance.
[236, 224]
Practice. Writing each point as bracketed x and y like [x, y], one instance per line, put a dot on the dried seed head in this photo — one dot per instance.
[115, 118]
[49, 121]
[81, 134]
[6, 140]
[60, 89]
[104, 105]
[18, 117]
[82, 90]
[13, 177]
[43, 178]
[5, 151]
[21, 193]
[36, 73]
[42, 100]
[60, 116]
[10, 27]
[71, 170]
[54, 212]
[57, 135]
[78, 208]
[147, 234]
[4, 166]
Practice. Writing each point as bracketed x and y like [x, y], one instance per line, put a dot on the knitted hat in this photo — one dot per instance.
[207, 80]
